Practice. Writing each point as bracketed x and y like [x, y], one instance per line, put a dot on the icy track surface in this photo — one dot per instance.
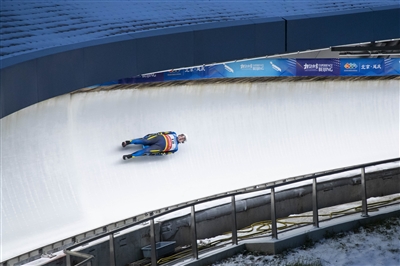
[62, 171]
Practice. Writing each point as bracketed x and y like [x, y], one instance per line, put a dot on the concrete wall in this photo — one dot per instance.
[213, 222]
[127, 248]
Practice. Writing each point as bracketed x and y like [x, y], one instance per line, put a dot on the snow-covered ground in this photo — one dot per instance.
[375, 244]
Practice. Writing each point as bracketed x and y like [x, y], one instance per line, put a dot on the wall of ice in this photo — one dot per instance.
[61, 160]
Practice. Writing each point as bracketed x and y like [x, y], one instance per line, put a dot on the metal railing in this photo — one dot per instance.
[111, 229]
[150, 216]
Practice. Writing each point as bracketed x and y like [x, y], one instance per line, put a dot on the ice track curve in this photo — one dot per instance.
[62, 171]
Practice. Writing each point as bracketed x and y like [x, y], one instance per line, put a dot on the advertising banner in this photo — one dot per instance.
[253, 68]
[391, 66]
[154, 77]
[276, 68]
[317, 67]
[362, 67]
[186, 74]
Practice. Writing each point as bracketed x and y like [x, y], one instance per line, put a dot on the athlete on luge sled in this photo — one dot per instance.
[161, 143]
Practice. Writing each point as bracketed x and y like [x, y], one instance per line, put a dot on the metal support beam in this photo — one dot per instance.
[87, 258]
[273, 215]
[234, 222]
[153, 243]
[195, 251]
[315, 203]
[364, 194]
[365, 48]
[112, 250]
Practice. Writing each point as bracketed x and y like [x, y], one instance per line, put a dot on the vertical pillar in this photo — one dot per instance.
[234, 222]
[153, 243]
[193, 231]
[273, 215]
[112, 250]
[68, 260]
[315, 203]
[364, 194]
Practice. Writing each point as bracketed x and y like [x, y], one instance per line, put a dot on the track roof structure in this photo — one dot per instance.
[36, 25]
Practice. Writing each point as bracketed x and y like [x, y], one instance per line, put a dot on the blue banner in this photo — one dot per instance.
[392, 66]
[318, 67]
[186, 74]
[362, 67]
[276, 68]
[254, 68]
[155, 77]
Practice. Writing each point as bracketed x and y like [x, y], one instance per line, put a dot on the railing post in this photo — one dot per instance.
[315, 203]
[194, 234]
[364, 194]
[112, 250]
[234, 222]
[68, 260]
[273, 215]
[153, 243]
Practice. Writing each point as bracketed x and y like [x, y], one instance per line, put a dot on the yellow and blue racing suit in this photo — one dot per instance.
[161, 143]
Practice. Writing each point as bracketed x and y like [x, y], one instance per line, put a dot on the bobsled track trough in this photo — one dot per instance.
[61, 159]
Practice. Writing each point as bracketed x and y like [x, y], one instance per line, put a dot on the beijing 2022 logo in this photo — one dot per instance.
[350, 66]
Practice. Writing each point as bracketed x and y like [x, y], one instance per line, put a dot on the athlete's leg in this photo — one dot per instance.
[139, 141]
[148, 141]
[151, 146]
[153, 149]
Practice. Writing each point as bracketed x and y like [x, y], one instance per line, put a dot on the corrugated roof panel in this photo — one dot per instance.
[28, 26]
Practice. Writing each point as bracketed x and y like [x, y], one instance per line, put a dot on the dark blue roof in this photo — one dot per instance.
[28, 26]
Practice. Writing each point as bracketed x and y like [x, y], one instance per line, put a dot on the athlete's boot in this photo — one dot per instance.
[126, 143]
[126, 157]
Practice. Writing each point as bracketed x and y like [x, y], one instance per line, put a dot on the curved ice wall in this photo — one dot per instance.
[63, 173]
